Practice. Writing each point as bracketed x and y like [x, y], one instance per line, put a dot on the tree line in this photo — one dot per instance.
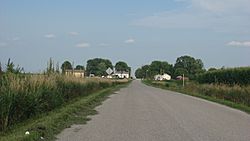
[97, 66]
[187, 65]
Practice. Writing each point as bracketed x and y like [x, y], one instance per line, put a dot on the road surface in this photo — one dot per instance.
[143, 113]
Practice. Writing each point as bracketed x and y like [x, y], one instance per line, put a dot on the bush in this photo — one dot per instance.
[166, 84]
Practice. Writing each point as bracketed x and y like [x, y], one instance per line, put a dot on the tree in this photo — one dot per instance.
[180, 71]
[146, 71]
[122, 66]
[160, 67]
[66, 66]
[139, 73]
[1, 70]
[167, 68]
[155, 68]
[212, 69]
[190, 65]
[98, 66]
[79, 67]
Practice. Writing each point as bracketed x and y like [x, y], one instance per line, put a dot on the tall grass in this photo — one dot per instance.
[25, 96]
[236, 93]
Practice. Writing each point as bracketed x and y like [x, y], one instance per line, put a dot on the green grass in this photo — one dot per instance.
[49, 124]
[193, 91]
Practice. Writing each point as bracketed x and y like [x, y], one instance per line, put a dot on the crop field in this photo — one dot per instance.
[25, 96]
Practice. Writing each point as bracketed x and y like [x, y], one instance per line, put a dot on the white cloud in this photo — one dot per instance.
[73, 33]
[50, 36]
[83, 45]
[2, 44]
[222, 5]
[129, 41]
[239, 43]
[218, 15]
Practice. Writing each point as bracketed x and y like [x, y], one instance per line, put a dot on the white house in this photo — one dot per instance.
[121, 74]
[158, 77]
[162, 77]
[166, 76]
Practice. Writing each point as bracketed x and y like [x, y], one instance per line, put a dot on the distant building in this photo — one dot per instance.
[76, 73]
[121, 74]
[181, 78]
[162, 77]
[166, 76]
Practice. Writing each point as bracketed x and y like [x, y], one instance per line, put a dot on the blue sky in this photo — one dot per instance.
[137, 32]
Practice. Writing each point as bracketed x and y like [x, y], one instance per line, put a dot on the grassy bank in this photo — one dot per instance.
[233, 96]
[46, 125]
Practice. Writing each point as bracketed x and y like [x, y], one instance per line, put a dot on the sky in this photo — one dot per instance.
[134, 31]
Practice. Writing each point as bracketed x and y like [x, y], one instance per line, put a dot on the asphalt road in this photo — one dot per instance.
[143, 113]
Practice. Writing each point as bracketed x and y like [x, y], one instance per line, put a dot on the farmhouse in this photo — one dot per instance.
[76, 73]
[162, 77]
[121, 74]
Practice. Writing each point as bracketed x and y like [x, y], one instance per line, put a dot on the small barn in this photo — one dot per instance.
[181, 78]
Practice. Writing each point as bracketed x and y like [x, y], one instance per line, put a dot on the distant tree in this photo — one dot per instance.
[160, 67]
[212, 69]
[66, 65]
[155, 68]
[122, 66]
[98, 66]
[1, 70]
[79, 67]
[180, 71]
[190, 65]
[139, 73]
[146, 71]
[166, 67]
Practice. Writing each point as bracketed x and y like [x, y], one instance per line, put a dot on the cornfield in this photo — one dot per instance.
[239, 76]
